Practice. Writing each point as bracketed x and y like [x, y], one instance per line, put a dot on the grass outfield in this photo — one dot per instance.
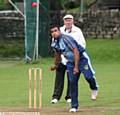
[106, 61]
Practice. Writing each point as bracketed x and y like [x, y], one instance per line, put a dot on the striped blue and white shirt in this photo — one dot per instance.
[65, 44]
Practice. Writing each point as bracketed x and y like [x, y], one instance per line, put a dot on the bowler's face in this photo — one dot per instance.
[55, 32]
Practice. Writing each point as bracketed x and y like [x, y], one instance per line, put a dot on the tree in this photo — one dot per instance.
[55, 5]
[55, 11]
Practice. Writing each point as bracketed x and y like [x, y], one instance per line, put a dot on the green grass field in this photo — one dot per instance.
[105, 55]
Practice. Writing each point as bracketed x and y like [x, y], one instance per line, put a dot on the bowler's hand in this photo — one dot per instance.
[76, 70]
[52, 68]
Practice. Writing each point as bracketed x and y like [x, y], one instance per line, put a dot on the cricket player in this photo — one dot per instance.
[78, 62]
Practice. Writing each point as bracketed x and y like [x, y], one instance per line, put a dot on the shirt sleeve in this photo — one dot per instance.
[70, 42]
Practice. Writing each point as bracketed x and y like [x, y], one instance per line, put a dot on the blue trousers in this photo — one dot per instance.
[85, 67]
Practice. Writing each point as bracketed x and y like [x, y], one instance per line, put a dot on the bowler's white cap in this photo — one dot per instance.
[68, 16]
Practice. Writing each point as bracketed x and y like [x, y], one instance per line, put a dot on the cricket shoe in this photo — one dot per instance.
[94, 94]
[73, 110]
[54, 101]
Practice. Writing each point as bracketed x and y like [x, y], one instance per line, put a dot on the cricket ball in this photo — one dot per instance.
[34, 4]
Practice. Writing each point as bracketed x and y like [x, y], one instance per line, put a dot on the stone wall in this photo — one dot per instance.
[102, 24]
[11, 25]
[96, 24]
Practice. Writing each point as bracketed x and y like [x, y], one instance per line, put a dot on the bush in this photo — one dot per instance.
[4, 5]
[12, 49]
